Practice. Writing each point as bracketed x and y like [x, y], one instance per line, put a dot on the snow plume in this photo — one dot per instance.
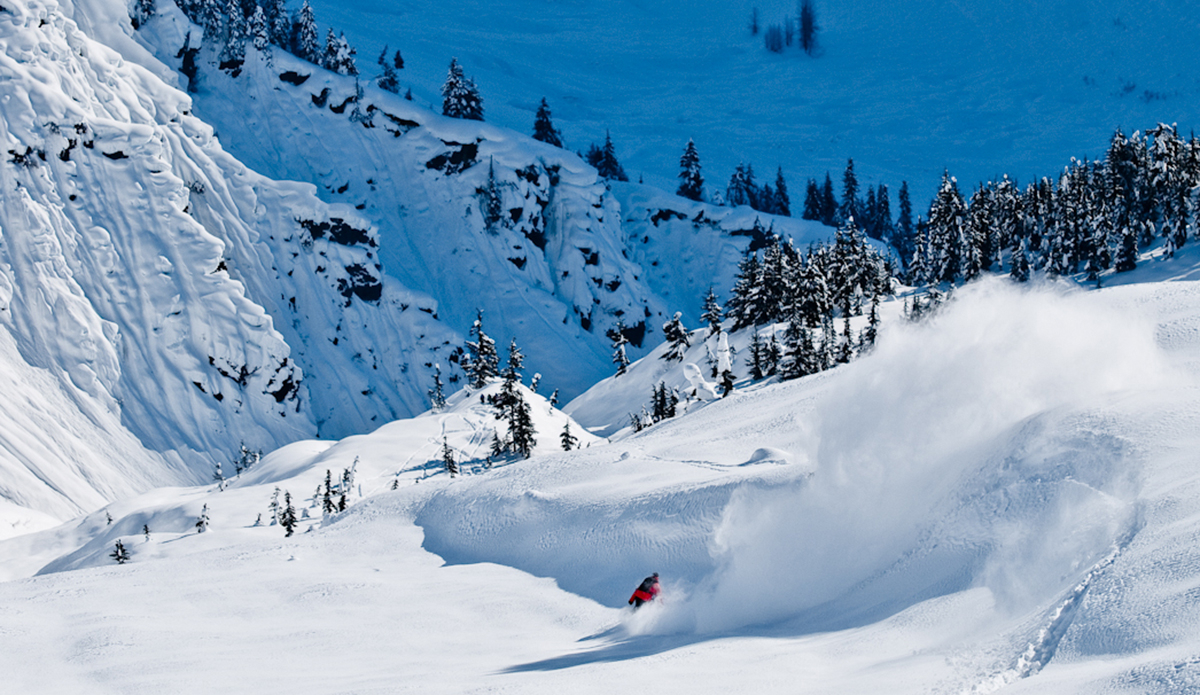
[957, 454]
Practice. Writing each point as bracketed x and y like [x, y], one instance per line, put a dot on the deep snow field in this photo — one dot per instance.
[1004, 495]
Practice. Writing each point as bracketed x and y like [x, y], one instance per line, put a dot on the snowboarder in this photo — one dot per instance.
[647, 591]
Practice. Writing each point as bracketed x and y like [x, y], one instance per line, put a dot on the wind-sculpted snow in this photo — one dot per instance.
[174, 295]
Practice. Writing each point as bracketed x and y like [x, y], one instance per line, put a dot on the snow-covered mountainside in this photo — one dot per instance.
[999, 497]
[562, 261]
[176, 300]
[906, 89]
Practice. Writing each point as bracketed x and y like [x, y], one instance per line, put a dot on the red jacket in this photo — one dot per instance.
[647, 591]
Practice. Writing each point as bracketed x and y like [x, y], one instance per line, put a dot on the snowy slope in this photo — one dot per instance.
[906, 89]
[160, 295]
[1002, 497]
[552, 273]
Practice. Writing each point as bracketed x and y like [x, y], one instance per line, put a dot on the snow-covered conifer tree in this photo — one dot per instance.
[677, 337]
[119, 553]
[482, 362]
[491, 201]
[691, 181]
[448, 458]
[851, 206]
[617, 335]
[287, 519]
[812, 201]
[712, 312]
[605, 160]
[783, 203]
[202, 520]
[568, 440]
[387, 81]
[437, 395]
[460, 97]
[304, 33]
[279, 26]
[259, 32]
[829, 204]
[543, 128]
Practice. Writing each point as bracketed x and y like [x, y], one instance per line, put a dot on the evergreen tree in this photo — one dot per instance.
[233, 52]
[783, 204]
[387, 80]
[871, 333]
[605, 160]
[808, 27]
[304, 33]
[619, 341]
[743, 304]
[882, 219]
[398, 62]
[812, 201]
[738, 192]
[947, 233]
[327, 504]
[521, 430]
[119, 553]
[279, 27]
[146, 531]
[798, 351]
[754, 21]
[677, 337]
[219, 477]
[568, 440]
[482, 362]
[259, 33]
[448, 458]
[756, 361]
[1020, 264]
[273, 507]
[691, 182]
[213, 20]
[543, 128]
[491, 200]
[851, 206]
[904, 240]
[460, 96]
[829, 204]
[712, 312]
[437, 395]
[202, 521]
[287, 519]
[339, 55]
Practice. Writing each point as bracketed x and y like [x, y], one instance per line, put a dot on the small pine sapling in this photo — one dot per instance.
[202, 520]
[146, 531]
[437, 394]
[119, 553]
[569, 441]
[288, 517]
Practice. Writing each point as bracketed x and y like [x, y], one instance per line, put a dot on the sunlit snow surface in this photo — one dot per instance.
[1004, 496]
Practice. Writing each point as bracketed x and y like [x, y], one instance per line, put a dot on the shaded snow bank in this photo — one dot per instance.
[967, 450]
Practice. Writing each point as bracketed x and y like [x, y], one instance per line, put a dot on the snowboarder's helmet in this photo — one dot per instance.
[655, 575]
